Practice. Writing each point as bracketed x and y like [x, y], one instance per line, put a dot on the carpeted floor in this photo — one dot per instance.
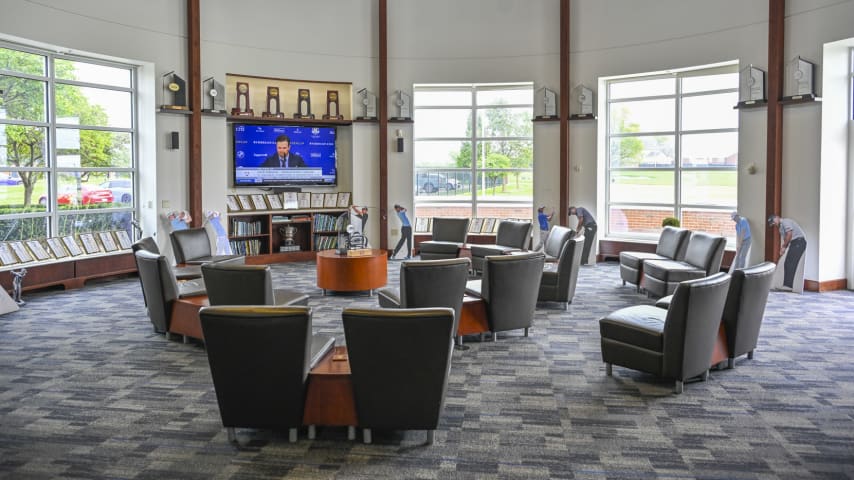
[87, 390]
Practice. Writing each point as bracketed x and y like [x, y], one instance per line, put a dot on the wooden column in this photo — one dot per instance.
[774, 149]
[383, 122]
[194, 140]
[564, 112]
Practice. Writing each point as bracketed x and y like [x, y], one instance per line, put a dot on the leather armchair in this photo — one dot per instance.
[676, 343]
[181, 273]
[558, 281]
[671, 246]
[449, 235]
[233, 284]
[399, 363]
[160, 289]
[511, 236]
[429, 283]
[557, 237]
[509, 287]
[193, 246]
[745, 307]
[702, 258]
[259, 359]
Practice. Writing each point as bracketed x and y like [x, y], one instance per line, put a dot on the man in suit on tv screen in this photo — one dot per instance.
[283, 158]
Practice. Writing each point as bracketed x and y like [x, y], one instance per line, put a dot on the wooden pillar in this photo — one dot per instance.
[774, 149]
[383, 122]
[565, 90]
[194, 82]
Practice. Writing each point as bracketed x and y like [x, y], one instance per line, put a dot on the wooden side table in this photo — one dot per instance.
[472, 317]
[329, 397]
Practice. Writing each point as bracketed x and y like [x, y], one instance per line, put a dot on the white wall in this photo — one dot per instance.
[473, 41]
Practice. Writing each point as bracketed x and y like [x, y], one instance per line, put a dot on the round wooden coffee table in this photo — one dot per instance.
[342, 273]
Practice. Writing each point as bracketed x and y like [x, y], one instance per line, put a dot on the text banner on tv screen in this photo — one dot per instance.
[257, 163]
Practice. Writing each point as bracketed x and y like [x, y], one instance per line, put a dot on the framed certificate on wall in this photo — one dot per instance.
[6, 255]
[56, 248]
[72, 245]
[21, 252]
[107, 241]
[124, 239]
[90, 245]
[38, 250]
[275, 201]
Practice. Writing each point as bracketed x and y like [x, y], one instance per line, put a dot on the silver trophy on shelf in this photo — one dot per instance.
[288, 233]
[369, 105]
[751, 86]
[548, 100]
[801, 79]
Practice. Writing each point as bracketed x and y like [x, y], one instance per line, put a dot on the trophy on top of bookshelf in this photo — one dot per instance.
[242, 107]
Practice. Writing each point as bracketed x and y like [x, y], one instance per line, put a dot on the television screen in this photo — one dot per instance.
[279, 155]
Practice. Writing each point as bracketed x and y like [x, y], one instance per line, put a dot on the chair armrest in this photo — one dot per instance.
[389, 298]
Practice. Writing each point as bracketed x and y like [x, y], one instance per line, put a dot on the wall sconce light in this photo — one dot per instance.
[399, 134]
[751, 169]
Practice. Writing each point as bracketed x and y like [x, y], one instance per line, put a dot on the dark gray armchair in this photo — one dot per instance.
[512, 236]
[160, 289]
[429, 283]
[553, 245]
[449, 235]
[259, 359]
[193, 246]
[559, 279]
[671, 246]
[676, 343]
[399, 363]
[229, 283]
[702, 258]
[509, 287]
[745, 307]
[181, 273]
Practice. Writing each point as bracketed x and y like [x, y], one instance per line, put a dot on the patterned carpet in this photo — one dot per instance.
[87, 390]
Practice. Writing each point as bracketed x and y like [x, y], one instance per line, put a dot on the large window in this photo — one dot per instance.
[672, 151]
[67, 134]
[473, 151]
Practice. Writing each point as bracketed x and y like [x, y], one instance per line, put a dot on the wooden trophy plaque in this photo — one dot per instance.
[303, 104]
[242, 109]
[332, 110]
[273, 99]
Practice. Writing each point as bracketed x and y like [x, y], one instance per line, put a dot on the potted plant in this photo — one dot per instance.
[670, 222]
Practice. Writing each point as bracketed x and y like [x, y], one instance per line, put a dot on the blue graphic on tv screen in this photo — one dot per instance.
[312, 161]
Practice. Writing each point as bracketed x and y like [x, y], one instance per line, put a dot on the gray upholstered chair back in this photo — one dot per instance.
[159, 287]
[400, 360]
[190, 244]
[558, 236]
[745, 306]
[450, 229]
[569, 262]
[147, 243]
[510, 285]
[259, 360]
[691, 325]
[705, 251]
[672, 243]
[434, 283]
[512, 233]
[235, 284]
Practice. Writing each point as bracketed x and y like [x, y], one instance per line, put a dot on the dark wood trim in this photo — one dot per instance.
[564, 112]
[286, 121]
[194, 81]
[280, 79]
[826, 286]
[774, 148]
[72, 272]
[382, 14]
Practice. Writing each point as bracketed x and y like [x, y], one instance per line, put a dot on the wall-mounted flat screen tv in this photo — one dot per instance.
[284, 155]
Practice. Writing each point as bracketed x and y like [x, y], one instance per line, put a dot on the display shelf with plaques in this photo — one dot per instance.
[287, 101]
[800, 99]
[283, 235]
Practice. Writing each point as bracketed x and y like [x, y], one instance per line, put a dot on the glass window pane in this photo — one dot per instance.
[442, 98]
[710, 187]
[708, 112]
[83, 190]
[92, 106]
[23, 228]
[17, 61]
[445, 154]
[505, 154]
[92, 148]
[643, 88]
[23, 99]
[647, 186]
[91, 73]
[505, 185]
[709, 82]
[13, 193]
[716, 222]
[22, 146]
[453, 122]
[446, 183]
[120, 185]
[643, 116]
[83, 222]
[514, 96]
[640, 220]
[505, 122]
[643, 152]
[710, 150]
